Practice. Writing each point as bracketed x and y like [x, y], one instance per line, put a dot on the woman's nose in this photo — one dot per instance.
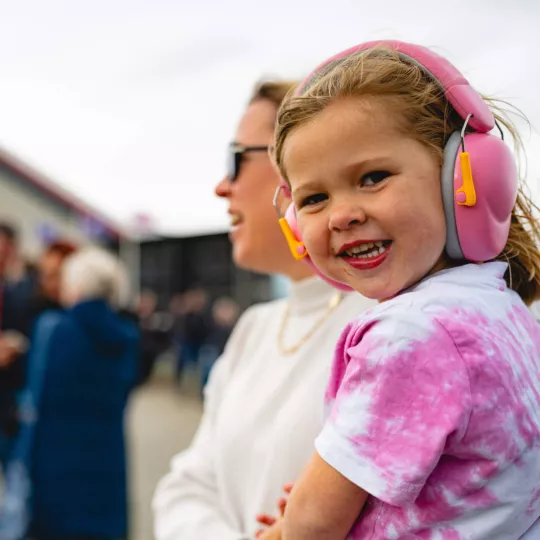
[223, 189]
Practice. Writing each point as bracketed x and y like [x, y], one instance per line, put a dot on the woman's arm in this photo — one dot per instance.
[323, 504]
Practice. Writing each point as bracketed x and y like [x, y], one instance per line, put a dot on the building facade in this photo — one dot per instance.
[41, 211]
[174, 265]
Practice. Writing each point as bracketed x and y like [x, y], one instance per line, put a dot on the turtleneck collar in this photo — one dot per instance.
[310, 294]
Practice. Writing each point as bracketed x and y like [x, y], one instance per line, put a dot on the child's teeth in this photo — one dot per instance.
[366, 251]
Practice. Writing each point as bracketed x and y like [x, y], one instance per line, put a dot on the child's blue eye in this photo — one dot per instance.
[374, 178]
[314, 199]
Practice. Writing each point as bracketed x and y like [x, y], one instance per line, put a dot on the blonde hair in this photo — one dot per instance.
[424, 113]
[94, 273]
[273, 91]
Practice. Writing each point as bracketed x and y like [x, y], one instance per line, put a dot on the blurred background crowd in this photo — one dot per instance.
[72, 309]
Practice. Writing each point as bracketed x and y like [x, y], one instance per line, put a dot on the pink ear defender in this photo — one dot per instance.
[479, 177]
[289, 226]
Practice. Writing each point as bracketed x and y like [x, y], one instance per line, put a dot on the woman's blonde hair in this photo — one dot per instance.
[424, 113]
[273, 91]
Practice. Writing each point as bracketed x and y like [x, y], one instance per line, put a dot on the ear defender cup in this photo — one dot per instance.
[290, 216]
[478, 232]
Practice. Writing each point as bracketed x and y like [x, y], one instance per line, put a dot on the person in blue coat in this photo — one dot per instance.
[78, 458]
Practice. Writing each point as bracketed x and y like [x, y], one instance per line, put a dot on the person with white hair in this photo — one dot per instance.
[94, 274]
[82, 366]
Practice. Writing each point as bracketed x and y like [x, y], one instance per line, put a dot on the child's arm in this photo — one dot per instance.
[323, 504]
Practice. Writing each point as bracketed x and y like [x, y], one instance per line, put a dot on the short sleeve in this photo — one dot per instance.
[403, 396]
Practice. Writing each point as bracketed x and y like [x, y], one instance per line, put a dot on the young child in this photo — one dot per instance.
[402, 194]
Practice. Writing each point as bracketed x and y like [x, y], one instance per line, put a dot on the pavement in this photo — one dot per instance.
[161, 420]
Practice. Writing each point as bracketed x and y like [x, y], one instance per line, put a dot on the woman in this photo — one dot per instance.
[82, 365]
[263, 401]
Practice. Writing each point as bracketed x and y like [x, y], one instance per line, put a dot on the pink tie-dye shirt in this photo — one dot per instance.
[434, 410]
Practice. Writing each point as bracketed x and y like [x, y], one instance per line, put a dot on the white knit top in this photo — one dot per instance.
[263, 411]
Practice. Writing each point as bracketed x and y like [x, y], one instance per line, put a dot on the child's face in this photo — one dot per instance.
[360, 184]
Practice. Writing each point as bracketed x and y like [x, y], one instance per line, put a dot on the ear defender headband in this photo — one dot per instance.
[479, 178]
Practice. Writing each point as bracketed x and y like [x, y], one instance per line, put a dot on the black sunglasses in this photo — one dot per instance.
[236, 154]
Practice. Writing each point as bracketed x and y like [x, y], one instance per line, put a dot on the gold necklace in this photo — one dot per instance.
[334, 302]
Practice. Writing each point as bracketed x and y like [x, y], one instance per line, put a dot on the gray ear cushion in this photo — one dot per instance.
[453, 247]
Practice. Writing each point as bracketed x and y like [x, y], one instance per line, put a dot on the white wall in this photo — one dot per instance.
[28, 209]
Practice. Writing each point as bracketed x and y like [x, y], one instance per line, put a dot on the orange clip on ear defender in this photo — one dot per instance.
[466, 194]
[298, 249]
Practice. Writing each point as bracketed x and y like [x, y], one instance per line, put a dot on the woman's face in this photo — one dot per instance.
[258, 243]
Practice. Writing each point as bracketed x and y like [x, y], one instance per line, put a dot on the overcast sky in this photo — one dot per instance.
[130, 103]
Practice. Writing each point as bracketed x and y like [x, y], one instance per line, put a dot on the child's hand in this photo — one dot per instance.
[269, 520]
[272, 533]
